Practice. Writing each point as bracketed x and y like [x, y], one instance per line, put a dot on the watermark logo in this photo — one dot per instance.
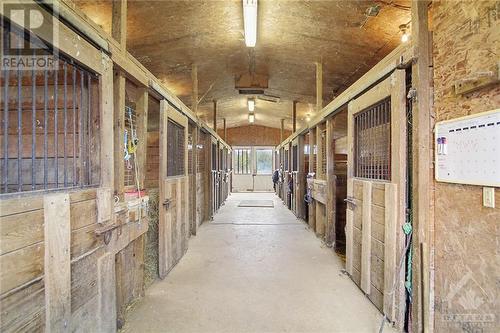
[28, 35]
[466, 305]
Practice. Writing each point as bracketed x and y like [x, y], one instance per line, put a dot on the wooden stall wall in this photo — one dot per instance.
[376, 209]
[465, 44]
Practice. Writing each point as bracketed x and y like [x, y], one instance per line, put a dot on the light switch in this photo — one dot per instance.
[489, 197]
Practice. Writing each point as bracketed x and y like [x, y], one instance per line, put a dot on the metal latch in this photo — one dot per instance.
[351, 201]
[167, 203]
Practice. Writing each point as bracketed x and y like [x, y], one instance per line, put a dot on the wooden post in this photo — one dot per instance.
[57, 267]
[119, 131]
[119, 22]
[107, 124]
[282, 131]
[215, 116]
[294, 117]
[194, 93]
[225, 130]
[331, 183]
[195, 178]
[142, 133]
[106, 291]
[422, 173]
[319, 86]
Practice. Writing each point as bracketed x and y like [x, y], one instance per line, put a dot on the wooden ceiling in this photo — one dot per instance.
[169, 36]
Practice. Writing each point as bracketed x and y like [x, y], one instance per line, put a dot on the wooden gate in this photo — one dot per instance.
[173, 227]
[375, 193]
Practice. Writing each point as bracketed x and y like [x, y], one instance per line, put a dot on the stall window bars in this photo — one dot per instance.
[295, 158]
[50, 127]
[201, 151]
[130, 146]
[323, 151]
[372, 141]
[175, 149]
[242, 164]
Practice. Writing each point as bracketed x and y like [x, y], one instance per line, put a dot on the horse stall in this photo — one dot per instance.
[376, 178]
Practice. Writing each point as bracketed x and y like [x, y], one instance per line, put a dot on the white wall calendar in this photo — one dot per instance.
[467, 149]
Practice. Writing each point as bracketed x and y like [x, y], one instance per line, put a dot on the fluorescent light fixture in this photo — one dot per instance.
[251, 118]
[250, 22]
[251, 104]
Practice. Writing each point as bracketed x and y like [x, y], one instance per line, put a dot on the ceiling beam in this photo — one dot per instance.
[119, 22]
[194, 92]
[319, 86]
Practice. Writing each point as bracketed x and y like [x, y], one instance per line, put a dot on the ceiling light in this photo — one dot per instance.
[251, 118]
[404, 29]
[251, 105]
[250, 22]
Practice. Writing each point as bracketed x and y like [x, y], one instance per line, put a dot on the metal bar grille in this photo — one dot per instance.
[323, 151]
[242, 161]
[201, 151]
[130, 128]
[190, 149]
[175, 149]
[295, 158]
[372, 135]
[41, 109]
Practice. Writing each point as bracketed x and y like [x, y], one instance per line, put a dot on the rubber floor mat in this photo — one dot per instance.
[256, 203]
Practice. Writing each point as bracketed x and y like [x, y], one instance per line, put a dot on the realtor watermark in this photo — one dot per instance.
[29, 33]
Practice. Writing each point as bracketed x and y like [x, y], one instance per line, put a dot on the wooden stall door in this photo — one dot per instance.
[375, 193]
[173, 227]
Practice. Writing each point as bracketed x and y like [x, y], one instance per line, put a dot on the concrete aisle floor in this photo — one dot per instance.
[255, 270]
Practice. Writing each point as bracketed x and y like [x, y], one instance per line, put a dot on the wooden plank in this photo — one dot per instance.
[24, 310]
[378, 197]
[142, 132]
[107, 125]
[319, 88]
[105, 204]
[366, 238]
[85, 240]
[349, 229]
[57, 262]
[84, 280]
[163, 228]
[390, 253]
[422, 176]
[118, 132]
[20, 230]
[21, 266]
[83, 213]
[331, 204]
[106, 289]
[119, 22]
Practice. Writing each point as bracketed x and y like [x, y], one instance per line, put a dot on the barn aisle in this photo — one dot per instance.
[255, 269]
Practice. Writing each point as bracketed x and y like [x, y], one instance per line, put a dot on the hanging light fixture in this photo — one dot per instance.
[404, 30]
[250, 22]
[251, 104]
[251, 118]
